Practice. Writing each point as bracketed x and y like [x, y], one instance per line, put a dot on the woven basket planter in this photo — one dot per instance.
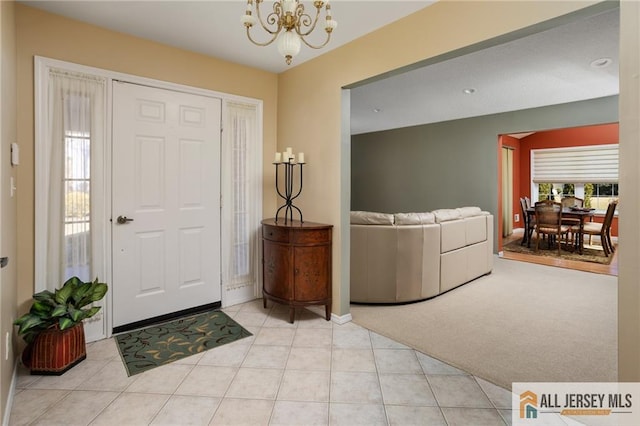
[54, 352]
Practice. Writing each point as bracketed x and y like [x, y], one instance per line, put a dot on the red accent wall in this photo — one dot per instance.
[578, 136]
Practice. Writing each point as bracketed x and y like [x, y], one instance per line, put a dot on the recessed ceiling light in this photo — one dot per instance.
[601, 62]
[469, 91]
[377, 110]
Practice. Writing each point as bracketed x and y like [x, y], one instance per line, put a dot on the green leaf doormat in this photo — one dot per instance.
[161, 344]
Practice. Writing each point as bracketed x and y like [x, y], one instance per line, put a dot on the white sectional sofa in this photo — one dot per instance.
[405, 257]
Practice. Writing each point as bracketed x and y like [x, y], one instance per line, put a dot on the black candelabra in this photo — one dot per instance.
[288, 194]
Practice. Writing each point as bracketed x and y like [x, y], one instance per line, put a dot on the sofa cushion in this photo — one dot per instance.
[371, 218]
[476, 229]
[453, 235]
[453, 269]
[427, 218]
[477, 260]
[469, 211]
[445, 215]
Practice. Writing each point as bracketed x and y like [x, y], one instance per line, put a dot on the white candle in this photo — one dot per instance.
[278, 158]
[289, 151]
[301, 157]
[285, 157]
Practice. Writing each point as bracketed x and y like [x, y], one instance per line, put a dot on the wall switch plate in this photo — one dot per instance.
[516, 217]
[15, 154]
[7, 341]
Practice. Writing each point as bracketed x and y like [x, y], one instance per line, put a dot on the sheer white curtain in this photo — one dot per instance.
[74, 208]
[240, 181]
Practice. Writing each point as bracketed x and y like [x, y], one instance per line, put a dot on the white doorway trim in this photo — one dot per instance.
[42, 66]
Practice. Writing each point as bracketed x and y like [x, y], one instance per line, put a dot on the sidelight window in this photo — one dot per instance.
[76, 185]
[70, 214]
[241, 195]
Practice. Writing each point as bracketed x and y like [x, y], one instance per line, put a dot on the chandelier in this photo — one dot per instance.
[289, 24]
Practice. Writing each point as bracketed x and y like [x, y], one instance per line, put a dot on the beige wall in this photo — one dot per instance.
[7, 204]
[43, 34]
[629, 238]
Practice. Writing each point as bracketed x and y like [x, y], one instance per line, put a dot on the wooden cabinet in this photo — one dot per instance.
[296, 264]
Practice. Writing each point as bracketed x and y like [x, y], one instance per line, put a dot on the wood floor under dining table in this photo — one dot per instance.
[570, 212]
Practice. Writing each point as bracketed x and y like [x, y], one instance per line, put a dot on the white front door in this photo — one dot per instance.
[166, 192]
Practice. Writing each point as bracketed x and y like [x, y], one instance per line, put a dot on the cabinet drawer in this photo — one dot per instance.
[273, 233]
[312, 236]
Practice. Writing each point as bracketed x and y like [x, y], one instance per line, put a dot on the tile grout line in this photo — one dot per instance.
[432, 392]
[255, 336]
[174, 391]
[375, 363]
[284, 368]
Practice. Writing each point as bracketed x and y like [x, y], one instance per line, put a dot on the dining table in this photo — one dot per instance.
[580, 213]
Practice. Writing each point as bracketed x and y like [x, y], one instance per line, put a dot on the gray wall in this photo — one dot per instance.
[454, 163]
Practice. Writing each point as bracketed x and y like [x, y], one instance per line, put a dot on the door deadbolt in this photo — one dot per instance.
[123, 219]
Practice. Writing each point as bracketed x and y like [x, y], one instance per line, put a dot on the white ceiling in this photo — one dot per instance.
[547, 68]
[212, 27]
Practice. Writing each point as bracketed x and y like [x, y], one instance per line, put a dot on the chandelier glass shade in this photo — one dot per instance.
[288, 24]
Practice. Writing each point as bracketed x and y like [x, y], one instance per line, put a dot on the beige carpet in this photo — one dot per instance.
[522, 323]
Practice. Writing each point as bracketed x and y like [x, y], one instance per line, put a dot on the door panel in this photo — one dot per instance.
[166, 162]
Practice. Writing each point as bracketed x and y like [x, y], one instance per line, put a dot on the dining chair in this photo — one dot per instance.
[572, 201]
[549, 222]
[567, 203]
[607, 231]
[603, 230]
[529, 223]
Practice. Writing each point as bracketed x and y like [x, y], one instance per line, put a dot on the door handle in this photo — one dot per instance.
[123, 219]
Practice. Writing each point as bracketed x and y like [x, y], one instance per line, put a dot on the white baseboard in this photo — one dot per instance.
[236, 295]
[335, 318]
[341, 319]
[12, 391]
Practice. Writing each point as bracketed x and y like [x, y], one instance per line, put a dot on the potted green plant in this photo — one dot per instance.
[53, 327]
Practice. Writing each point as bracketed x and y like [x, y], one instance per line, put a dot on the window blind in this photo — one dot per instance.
[585, 164]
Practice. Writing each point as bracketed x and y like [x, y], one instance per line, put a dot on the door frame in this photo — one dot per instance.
[507, 189]
[41, 68]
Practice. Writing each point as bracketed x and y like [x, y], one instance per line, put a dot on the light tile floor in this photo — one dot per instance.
[312, 372]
